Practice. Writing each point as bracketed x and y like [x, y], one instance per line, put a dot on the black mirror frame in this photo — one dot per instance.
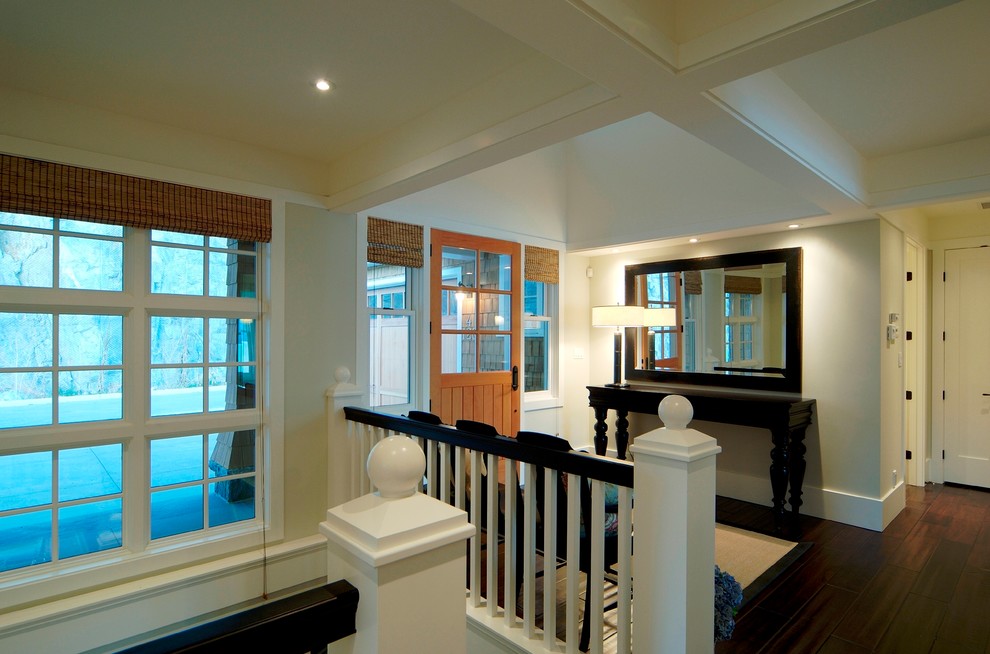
[790, 382]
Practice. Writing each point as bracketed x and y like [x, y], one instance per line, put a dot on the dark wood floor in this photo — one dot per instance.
[922, 585]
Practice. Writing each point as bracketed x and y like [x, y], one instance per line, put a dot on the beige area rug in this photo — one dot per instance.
[753, 559]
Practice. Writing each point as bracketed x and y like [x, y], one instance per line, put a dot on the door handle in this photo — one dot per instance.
[515, 378]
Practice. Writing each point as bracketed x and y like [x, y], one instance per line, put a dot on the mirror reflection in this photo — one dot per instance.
[737, 320]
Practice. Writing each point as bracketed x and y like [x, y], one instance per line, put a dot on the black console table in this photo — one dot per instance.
[787, 419]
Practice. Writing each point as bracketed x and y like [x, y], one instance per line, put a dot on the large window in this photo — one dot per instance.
[391, 334]
[129, 404]
[538, 349]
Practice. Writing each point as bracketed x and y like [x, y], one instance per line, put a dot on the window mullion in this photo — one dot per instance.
[137, 267]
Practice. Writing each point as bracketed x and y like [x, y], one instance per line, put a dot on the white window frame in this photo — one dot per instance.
[411, 311]
[139, 555]
[551, 312]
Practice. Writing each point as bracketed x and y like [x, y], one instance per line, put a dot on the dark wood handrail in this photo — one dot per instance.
[610, 471]
[304, 622]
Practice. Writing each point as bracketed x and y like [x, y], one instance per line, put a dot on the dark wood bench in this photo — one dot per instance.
[300, 623]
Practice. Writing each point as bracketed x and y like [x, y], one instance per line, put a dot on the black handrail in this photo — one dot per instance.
[304, 622]
[610, 471]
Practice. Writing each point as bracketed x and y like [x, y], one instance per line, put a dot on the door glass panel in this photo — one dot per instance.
[496, 272]
[495, 352]
[458, 267]
[495, 312]
[459, 310]
[458, 353]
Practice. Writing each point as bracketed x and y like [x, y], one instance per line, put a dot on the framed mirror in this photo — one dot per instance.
[738, 321]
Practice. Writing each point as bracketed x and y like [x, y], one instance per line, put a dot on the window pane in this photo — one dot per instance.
[25, 399]
[458, 266]
[231, 501]
[458, 353]
[86, 472]
[232, 244]
[176, 460]
[90, 340]
[231, 388]
[176, 271]
[534, 299]
[176, 391]
[26, 259]
[495, 312]
[176, 340]
[496, 272]
[25, 539]
[536, 356]
[232, 275]
[231, 340]
[85, 227]
[27, 340]
[24, 220]
[460, 313]
[25, 480]
[176, 237]
[390, 341]
[90, 264]
[176, 511]
[495, 352]
[231, 453]
[86, 395]
[88, 528]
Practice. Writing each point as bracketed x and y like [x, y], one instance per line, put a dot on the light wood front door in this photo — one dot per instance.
[967, 367]
[475, 330]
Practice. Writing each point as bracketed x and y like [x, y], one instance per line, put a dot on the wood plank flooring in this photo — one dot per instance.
[922, 585]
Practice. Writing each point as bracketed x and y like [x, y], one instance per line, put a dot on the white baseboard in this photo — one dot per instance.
[856, 510]
[129, 613]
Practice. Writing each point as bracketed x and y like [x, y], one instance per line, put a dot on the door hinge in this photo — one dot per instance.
[910, 275]
[908, 395]
[943, 454]
[907, 455]
[430, 331]
[908, 336]
[943, 396]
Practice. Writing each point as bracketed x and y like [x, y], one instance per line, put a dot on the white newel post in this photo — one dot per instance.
[339, 473]
[674, 565]
[405, 553]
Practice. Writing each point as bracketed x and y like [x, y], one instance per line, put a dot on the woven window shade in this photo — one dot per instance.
[692, 282]
[394, 243]
[41, 188]
[737, 284]
[542, 265]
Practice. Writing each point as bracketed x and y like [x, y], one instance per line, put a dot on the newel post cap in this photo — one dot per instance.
[674, 441]
[395, 466]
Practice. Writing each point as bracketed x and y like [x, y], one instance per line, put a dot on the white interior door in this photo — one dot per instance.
[967, 366]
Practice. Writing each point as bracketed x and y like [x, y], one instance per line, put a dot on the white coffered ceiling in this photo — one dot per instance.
[855, 107]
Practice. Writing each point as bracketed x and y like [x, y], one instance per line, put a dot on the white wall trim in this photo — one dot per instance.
[162, 603]
[838, 506]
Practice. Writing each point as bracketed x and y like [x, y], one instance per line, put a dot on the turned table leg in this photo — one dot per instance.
[601, 430]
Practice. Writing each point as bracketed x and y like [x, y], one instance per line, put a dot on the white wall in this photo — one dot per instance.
[321, 313]
[851, 439]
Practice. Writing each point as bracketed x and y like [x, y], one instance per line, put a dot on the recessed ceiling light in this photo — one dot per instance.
[692, 240]
[794, 226]
[324, 85]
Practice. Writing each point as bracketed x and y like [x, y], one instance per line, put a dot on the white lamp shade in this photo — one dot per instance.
[659, 317]
[617, 315]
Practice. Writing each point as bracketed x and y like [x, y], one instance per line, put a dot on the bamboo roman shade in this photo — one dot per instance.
[394, 243]
[738, 284]
[542, 265]
[41, 188]
[692, 282]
